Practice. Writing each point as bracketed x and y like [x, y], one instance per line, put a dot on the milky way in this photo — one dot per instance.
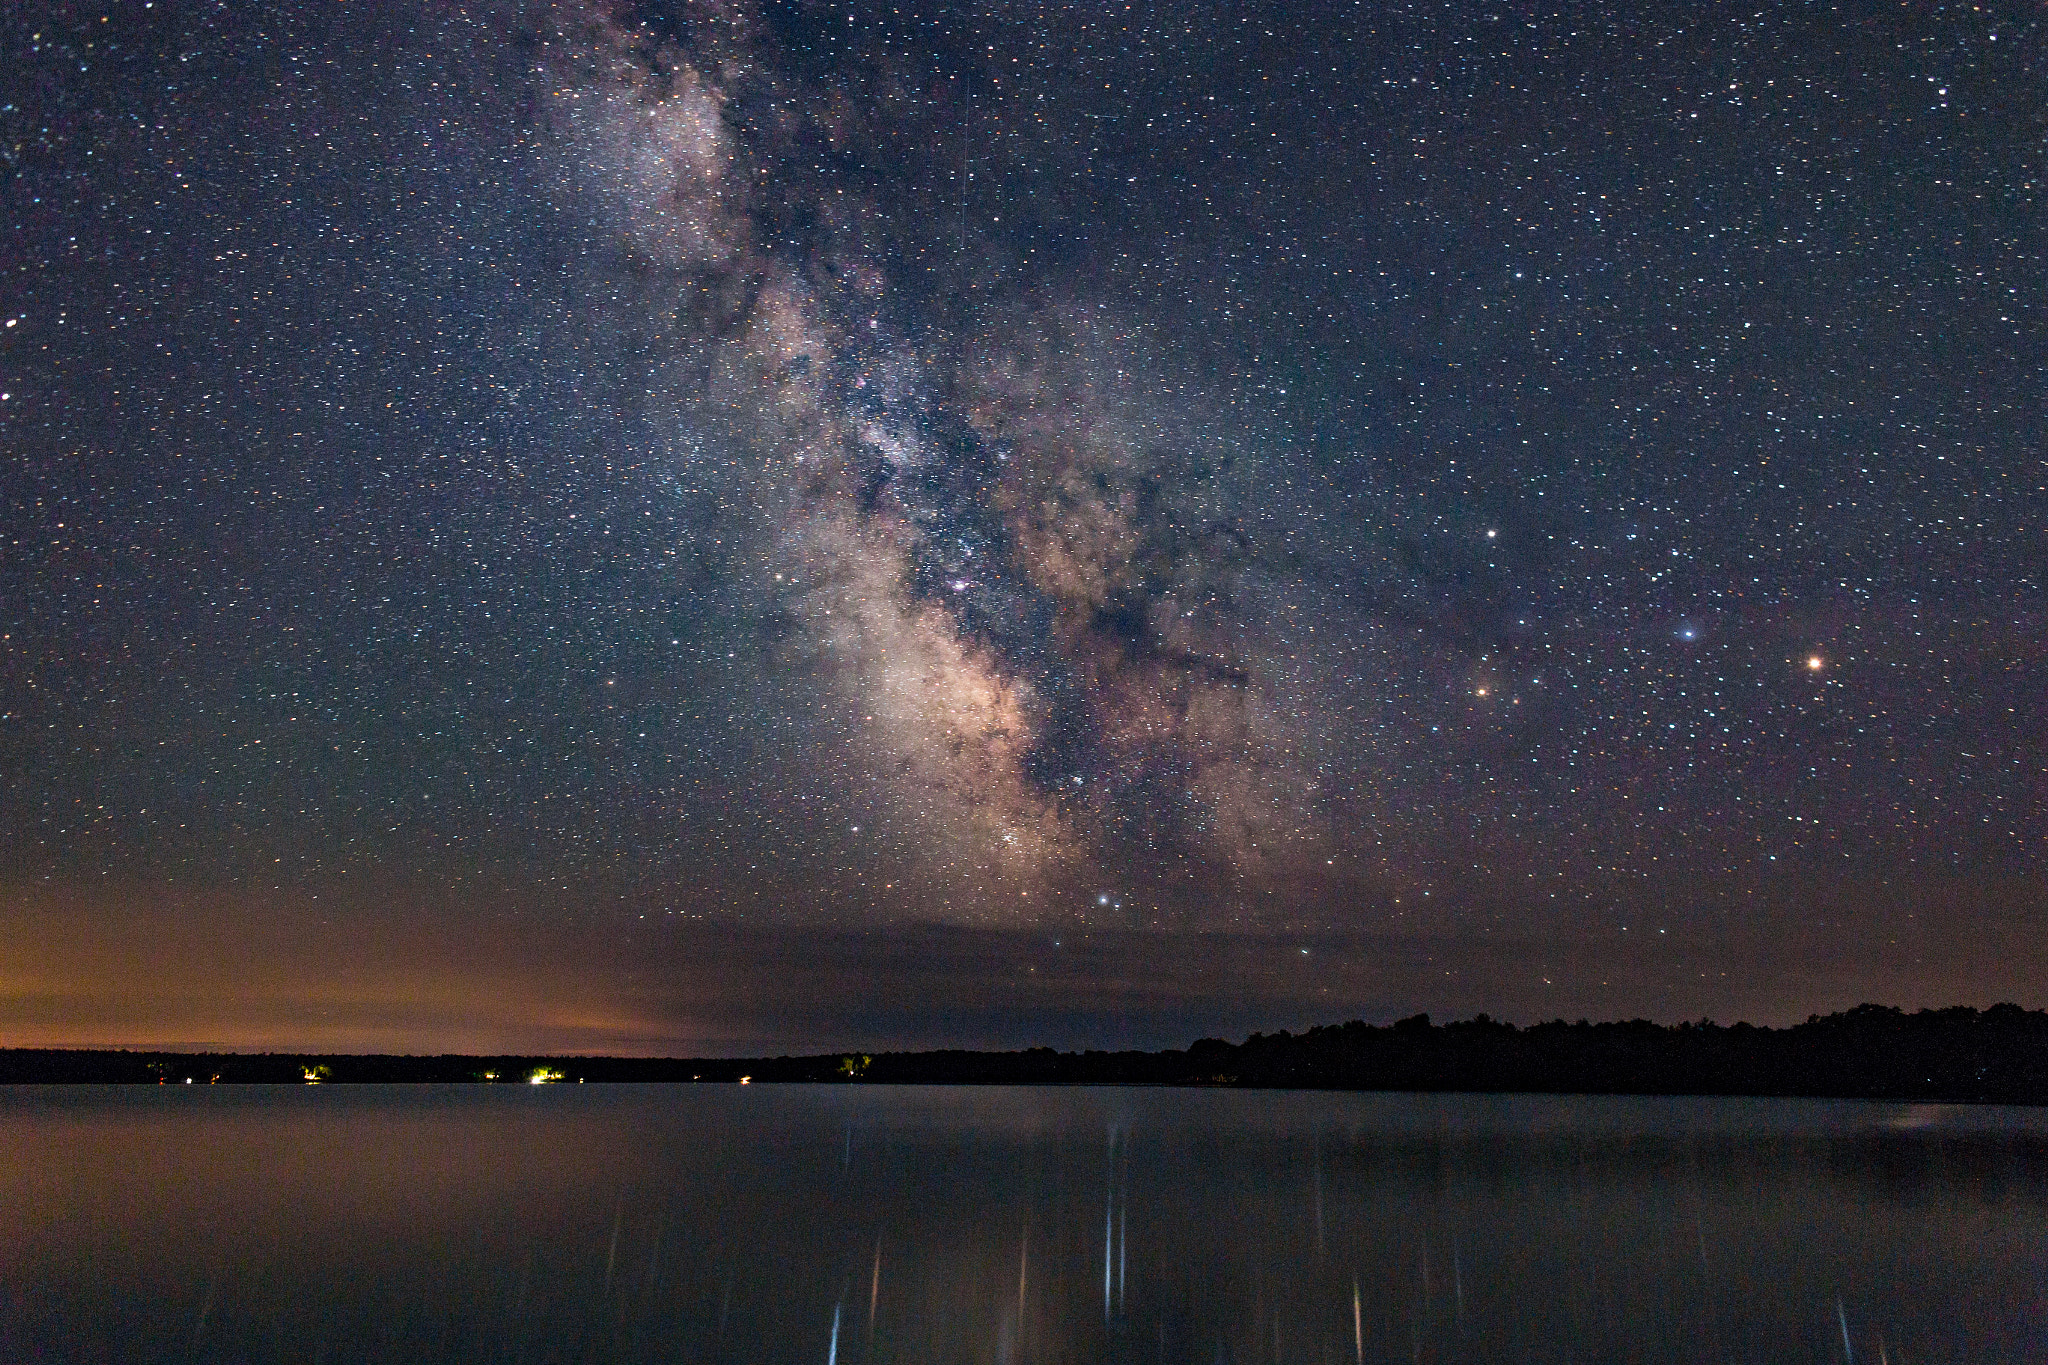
[1062, 592]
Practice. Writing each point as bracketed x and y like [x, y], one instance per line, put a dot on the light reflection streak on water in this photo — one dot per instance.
[1108, 1222]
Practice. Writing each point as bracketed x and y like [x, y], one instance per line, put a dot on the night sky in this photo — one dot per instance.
[739, 525]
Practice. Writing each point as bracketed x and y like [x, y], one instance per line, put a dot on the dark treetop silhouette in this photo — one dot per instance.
[1999, 1055]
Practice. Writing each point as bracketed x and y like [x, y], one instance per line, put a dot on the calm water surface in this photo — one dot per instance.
[843, 1225]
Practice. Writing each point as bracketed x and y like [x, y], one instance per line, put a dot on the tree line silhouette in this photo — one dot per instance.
[1998, 1055]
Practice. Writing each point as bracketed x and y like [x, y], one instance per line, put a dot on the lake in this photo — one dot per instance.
[839, 1225]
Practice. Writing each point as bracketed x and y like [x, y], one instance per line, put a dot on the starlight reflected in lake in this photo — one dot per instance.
[843, 1225]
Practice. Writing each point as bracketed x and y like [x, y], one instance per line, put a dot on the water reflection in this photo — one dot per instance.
[848, 1225]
